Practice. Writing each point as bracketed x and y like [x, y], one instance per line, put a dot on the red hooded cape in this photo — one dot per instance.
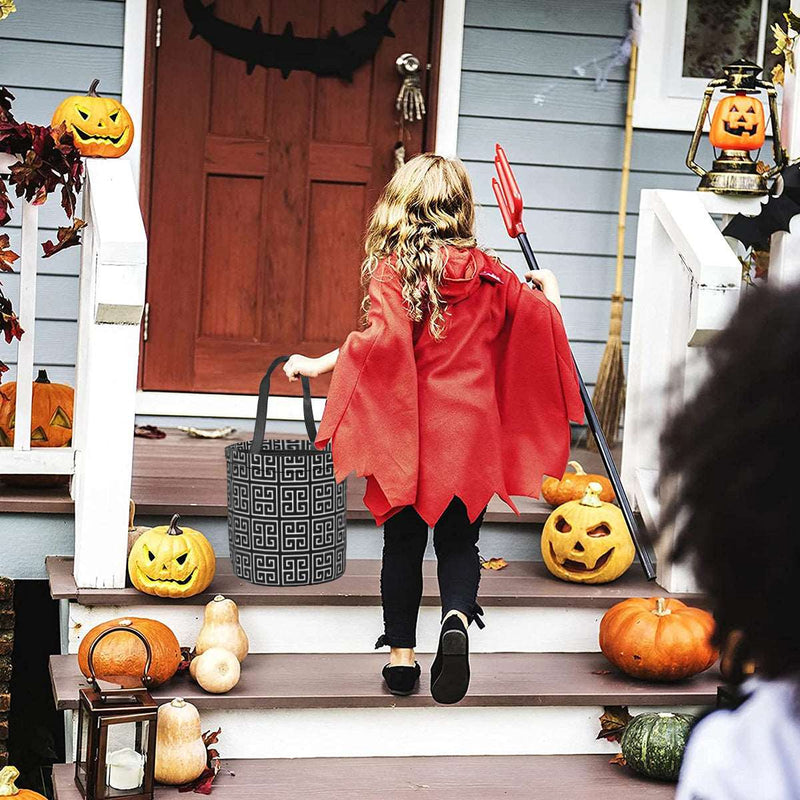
[484, 410]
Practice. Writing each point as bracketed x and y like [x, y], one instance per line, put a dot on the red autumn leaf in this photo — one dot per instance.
[211, 737]
[67, 237]
[9, 324]
[613, 721]
[7, 255]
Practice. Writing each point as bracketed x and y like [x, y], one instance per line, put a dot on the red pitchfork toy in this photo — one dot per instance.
[509, 200]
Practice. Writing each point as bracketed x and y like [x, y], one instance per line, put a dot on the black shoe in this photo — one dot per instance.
[450, 668]
[401, 680]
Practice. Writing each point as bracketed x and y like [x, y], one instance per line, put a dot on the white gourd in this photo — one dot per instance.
[221, 628]
[217, 670]
[181, 755]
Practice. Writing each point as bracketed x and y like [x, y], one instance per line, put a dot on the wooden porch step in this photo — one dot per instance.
[573, 777]
[345, 680]
[181, 475]
[521, 583]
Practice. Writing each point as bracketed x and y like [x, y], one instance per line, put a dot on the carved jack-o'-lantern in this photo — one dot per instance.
[101, 126]
[738, 123]
[51, 413]
[586, 540]
[169, 561]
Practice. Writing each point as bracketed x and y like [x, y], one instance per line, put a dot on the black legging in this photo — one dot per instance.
[405, 536]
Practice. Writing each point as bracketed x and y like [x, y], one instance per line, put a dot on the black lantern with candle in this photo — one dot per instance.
[738, 127]
[115, 757]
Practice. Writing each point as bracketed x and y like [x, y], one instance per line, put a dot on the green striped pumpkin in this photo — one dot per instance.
[653, 743]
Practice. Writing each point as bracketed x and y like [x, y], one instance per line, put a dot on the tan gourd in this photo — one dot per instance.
[217, 670]
[221, 628]
[181, 755]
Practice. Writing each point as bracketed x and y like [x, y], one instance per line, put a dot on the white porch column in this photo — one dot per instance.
[784, 263]
[111, 300]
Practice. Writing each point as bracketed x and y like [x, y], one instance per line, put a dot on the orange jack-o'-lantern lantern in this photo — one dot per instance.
[738, 123]
[101, 126]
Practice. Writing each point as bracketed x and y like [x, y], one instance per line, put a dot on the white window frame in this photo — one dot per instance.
[665, 100]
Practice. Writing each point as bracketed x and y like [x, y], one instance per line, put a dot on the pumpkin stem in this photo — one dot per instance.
[591, 497]
[93, 88]
[579, 470]
[7, 777]
[178, 702]
[219, 598]
[661, 609]
[173, 529]
[42, 377]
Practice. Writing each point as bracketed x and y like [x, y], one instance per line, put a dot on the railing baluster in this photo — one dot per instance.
[26, 311]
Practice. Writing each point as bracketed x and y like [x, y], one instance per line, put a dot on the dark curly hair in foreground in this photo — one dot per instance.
[734, 447]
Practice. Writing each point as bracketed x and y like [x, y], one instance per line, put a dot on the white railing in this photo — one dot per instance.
[110, 303]
[686, 286]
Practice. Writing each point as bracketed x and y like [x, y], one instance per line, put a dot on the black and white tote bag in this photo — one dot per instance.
[286, 513]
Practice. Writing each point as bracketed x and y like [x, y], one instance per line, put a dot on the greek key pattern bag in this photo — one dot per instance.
[286, 513]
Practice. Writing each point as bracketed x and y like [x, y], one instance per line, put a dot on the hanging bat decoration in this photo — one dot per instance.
[336, 55]
[775, 215]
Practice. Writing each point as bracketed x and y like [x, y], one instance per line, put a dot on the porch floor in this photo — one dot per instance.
[183, 475]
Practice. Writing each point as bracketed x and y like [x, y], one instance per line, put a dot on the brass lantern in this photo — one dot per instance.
[116, 750]
[738, 127]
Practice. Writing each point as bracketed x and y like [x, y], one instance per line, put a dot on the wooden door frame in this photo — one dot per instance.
[139, 56]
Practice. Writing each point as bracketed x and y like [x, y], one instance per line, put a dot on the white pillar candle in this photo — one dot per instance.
[125, 769]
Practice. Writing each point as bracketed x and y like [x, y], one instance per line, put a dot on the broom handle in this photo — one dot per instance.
[626, 171]
[509, 200]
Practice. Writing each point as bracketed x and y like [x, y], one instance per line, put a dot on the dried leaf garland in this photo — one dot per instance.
[66, 237]
[47, 159]
[7, 255]
[6, 7]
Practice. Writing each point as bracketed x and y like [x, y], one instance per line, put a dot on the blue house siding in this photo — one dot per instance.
[565, 138]
[49, 50]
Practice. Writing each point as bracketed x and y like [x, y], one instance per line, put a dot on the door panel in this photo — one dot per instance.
[261, 188]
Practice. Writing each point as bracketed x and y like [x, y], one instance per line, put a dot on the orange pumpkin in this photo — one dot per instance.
[572, 486]
[51, 413]
[9, 789]
[120, 657]
[738, 123]
[657, 639]
[101, 126]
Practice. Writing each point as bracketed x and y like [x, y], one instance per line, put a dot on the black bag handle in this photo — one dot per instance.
[263, 399]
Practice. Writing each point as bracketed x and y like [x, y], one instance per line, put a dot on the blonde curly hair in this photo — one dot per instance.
[427, 205]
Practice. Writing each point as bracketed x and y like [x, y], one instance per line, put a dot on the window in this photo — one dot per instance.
[684, 43]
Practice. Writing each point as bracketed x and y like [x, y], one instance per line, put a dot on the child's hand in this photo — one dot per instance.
[301, 365]
[545, 280]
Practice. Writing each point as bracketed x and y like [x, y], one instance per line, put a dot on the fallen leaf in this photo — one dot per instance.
[67, 237]
[613, 721]
[149, 432]
[494, 563]
[618, 759]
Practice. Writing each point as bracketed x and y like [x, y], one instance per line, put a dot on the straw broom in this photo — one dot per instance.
[609, 391]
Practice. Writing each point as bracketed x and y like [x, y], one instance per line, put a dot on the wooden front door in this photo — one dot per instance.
[260, 191]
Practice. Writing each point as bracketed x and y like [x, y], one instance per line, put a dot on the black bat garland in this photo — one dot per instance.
[782, 205]
[336, 55]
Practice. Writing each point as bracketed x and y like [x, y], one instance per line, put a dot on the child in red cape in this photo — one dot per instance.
[461, 386]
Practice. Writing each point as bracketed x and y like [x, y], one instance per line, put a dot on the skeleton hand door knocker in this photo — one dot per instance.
[410, 102]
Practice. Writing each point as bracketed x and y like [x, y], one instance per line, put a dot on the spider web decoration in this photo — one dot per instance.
[336, 55]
